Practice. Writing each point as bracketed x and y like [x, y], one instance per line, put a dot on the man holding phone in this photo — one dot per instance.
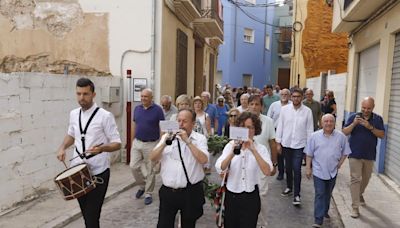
[364, 129]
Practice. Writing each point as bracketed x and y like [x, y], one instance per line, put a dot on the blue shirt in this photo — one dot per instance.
[148, 122]
[363, 141]
[211, 110]
[326, 152]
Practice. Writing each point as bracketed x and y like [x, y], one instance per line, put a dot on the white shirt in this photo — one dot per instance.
[172, 172]
[267, 132]
[294, 126]
[244, 170]
[274, 111]
[102, 129]
[240, 108]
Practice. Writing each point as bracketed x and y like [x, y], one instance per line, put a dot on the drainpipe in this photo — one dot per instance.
[153, 45]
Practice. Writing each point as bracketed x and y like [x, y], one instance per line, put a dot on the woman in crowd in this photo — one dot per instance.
[182, 102]
[222, 109]
[328, 103]
[203, 122]
[242, 199]
[232, 116]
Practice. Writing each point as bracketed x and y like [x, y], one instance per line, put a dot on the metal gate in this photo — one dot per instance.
[392, 157]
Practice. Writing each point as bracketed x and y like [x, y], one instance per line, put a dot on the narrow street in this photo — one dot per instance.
[127, 211]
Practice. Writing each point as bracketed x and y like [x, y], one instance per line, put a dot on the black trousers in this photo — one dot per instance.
[188, 200]
[242, 209]
[92, 202]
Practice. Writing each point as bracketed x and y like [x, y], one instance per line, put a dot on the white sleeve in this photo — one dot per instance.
[225, 153]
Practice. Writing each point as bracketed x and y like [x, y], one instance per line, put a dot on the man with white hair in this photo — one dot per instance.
[244, 103]
[273, 112]
[326, 151]
[145, 135]
[168, 108]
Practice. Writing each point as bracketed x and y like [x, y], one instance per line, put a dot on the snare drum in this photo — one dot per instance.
[75, 182]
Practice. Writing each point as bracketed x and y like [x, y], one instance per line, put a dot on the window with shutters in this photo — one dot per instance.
[248, 35]
[181, 63]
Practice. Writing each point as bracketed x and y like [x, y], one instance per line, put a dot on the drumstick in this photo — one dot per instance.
[84, 153]
[65, 164]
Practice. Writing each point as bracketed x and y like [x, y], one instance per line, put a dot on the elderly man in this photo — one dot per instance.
[315, 107]
[295, 125]
[273, 112]
[244, 101]
[168, 108]
[211, 110]
[182, 161]
[326, 151]
[364, 129]
[146, 133]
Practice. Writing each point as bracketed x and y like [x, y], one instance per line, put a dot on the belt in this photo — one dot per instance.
[174, 189]
[150, 140]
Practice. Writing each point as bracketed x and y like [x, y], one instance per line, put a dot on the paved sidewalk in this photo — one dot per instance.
[51, 210]
[382, 201]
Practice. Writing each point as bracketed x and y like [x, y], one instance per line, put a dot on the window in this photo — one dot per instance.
[267, 42]
[247, 80]
[251, 1]
[248, 35]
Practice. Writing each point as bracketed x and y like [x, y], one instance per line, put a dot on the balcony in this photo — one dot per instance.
[210, 24]
[186, 10]
[350, 13]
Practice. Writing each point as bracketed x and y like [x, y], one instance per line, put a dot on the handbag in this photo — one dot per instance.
[219, 201]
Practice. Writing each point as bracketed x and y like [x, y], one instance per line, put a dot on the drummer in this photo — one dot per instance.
[93, 132]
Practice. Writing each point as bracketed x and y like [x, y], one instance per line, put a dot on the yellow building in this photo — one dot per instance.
[374, 68]
[315, 48]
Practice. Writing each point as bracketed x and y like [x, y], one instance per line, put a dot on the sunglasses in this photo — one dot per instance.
[220, 101]
[232, 115]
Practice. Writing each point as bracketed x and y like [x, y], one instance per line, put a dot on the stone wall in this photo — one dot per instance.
[53, 37]
[322, 50]
[33, 118]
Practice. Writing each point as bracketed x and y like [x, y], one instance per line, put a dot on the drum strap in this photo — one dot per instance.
[83, 132]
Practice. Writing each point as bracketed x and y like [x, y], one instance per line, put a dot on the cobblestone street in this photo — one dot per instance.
[127, 211]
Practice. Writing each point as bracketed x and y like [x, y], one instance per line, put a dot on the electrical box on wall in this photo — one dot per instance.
[110, 94]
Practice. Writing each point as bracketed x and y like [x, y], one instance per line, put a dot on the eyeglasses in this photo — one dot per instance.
[220, 101]
[232, 115]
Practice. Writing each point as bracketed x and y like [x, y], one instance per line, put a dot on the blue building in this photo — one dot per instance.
[245, 57]
[281, 45]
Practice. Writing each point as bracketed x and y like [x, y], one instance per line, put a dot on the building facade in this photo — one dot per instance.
[315, 49]
[374, 68]
[170, 45]
[245, 56]
[281, 44]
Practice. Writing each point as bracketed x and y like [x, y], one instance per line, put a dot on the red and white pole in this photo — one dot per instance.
[129, 117]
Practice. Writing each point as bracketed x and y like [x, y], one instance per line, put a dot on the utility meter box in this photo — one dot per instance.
[110, 94]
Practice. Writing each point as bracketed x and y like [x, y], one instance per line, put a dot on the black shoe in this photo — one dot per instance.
[279, 177]
[286, 192]
[139, 193]
[297, 201]
[327, 216]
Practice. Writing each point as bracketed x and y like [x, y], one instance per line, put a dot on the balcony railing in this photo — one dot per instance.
[197, 4]
[285, 40]
[213, 13]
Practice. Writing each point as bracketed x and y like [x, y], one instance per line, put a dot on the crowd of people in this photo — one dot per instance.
[287, 129]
